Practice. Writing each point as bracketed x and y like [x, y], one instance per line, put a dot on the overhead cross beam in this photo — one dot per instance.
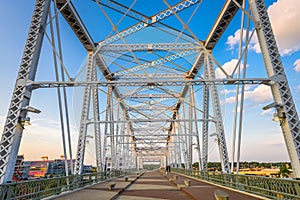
[150, 47]
[229, 81]
[149, 21]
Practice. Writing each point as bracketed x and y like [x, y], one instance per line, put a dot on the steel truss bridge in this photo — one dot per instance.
[151, 87]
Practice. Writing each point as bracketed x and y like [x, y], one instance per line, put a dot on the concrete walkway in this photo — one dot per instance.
[201, 190]
[100, 191]
[154, 186]
[150, 186]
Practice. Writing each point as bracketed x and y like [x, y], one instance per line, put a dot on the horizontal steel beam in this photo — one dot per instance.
[137, 142]
[229, 81]
[147, 76]
[154, 135]
[150, 47]
[151, 120]
[157, 62]
[150, 96]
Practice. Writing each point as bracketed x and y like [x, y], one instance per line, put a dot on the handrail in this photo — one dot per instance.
[46, 187]
[262, 186]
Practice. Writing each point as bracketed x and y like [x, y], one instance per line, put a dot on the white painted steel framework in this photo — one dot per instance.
[17, 112]
[142, 94]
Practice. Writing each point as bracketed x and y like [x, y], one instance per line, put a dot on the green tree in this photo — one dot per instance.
[284, 172]
[195, 165]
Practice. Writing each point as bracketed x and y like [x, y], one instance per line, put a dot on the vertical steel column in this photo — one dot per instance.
[185, 138]
[105, 156]
[130, 156]
[111, 127]
[237, 89]
[117, 153]
[59, 97]
[218, 116]
[124, 148]
[176, 145]
[167, 156]
[84, 118]
[281, 91]
[196, 127]
[97, 130]
[64, 89]
[205, 107]
[179, 139]
[190, 132]
[13, 129]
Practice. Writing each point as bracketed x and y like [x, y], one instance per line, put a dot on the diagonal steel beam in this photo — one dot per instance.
[120, 8]
[191, 75]
[149, 21]
[13, 128]
[226, 15]
[228, 12]
[71, 16]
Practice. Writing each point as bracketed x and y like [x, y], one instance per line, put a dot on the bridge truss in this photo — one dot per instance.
[151, 87]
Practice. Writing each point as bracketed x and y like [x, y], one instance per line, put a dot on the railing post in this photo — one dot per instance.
[297, 188]
[247, 184]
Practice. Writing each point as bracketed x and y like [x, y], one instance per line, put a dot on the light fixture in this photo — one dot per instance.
[276, 118]
[279, 117]
[32, 109]
[213, 134]
[26, 122]
[272, 105]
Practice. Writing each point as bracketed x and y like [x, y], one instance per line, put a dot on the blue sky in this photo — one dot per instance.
[260, 140]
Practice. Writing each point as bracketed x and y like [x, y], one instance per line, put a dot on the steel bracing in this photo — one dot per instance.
[151, 91]
[280, 89]
[218, 116]
[20, 100]
[84, 118]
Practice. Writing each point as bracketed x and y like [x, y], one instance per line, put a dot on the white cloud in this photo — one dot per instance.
[297, 65]
[225, 91]
[267, 112]
[2, 121]
[239, 110]
[233, 40]
[298, 87]
[228, 67]
[247, 87]
[284, 16]
[258, 95]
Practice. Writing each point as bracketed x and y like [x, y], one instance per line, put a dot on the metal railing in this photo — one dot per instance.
[273, 188]
[45, 187]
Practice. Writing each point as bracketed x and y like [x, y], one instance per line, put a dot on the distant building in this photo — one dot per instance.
[25, 170]
[21, 169]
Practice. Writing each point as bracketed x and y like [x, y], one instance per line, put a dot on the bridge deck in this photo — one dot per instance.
[153, 185]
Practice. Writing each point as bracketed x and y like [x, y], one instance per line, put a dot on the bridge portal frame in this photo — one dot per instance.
[18, 109]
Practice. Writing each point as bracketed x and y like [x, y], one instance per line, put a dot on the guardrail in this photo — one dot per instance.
[45, 187]
[263, 186]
